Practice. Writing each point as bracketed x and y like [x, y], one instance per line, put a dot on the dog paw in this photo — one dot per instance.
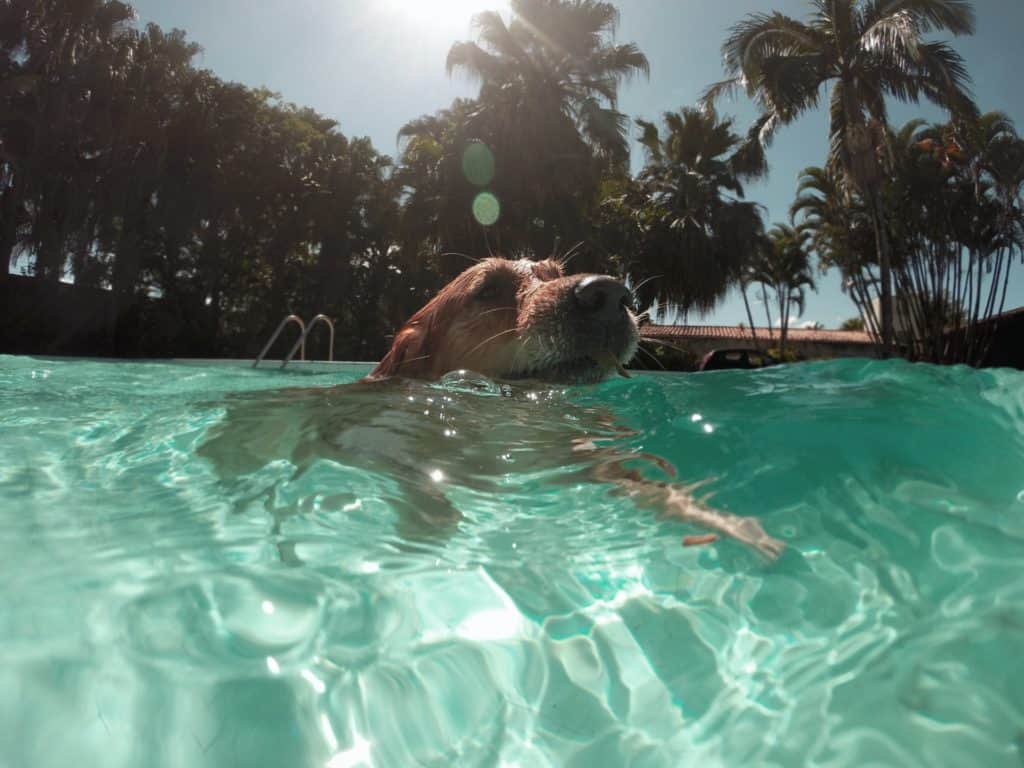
[750, 532]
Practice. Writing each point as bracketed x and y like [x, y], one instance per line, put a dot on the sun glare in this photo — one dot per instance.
[446, 13]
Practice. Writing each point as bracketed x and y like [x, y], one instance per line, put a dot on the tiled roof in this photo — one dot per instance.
[737, 333]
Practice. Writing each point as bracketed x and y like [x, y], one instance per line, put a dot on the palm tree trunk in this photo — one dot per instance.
[862, 300]
[767, 311]
[884, 271]
[783, 320]
[8, 231]
[750, 315]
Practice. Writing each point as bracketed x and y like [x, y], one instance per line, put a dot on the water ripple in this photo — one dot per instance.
[213, 566]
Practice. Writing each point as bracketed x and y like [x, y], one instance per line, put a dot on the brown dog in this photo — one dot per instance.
[508, 320]
[518, 320]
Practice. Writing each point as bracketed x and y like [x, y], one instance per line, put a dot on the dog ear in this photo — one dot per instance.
[415, 350]
[408, 356]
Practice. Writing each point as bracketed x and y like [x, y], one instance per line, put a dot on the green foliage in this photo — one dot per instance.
[131, 170]
[684, 218]
[126, 168]
[864, 52]
[783, 264]
[861, 54]
[956, 223]
[547, 111]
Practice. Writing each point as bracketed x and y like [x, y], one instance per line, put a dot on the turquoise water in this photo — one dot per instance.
[214, 566]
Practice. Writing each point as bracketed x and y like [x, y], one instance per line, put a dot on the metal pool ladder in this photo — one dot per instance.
[300, 344]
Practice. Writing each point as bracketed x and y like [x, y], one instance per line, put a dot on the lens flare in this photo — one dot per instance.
[486, 209]
[478, 164]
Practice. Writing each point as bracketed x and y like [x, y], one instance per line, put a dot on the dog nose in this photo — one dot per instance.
[601, 294]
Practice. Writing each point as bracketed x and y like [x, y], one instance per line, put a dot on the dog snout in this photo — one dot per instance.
[601, 295]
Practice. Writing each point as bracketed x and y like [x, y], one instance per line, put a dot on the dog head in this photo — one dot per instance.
[518, 320]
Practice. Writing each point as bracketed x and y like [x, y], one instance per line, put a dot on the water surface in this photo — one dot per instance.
[172, 601]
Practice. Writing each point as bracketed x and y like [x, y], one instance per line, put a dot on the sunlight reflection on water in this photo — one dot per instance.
[276, 605]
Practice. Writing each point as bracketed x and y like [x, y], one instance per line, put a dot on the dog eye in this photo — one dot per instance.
[487, 292]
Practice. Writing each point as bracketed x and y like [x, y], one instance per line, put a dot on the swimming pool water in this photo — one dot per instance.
[169, 600]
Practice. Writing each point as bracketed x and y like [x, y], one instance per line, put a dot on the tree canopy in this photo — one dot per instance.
[203, 211]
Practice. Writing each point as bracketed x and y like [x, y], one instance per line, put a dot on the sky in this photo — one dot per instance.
[373, 65]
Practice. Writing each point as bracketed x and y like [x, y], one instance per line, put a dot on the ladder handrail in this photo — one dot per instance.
[273, 338]
[302, 341]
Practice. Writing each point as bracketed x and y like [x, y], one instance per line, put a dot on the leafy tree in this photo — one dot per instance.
[841, 234]
[58, 59]
[437, 218]
[863, 52]
[207, 209]
[548, 109]
[685, 218]
[955, 223]
[784, 266]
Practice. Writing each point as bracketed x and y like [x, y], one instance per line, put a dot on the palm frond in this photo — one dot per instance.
[955, 16]
[621, 61]
[760, 37]
[474, 60]
[650, 140]
[723, 88]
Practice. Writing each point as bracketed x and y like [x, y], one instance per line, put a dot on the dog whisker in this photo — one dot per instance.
[515, 357]
[463, 255]
[496, 309]
[661, 343]
[653, 357]
[487, 242]
[413, 360]
[570, 254]
[644, 282]
[492, 338]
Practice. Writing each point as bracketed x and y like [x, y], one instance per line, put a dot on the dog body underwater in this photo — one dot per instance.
[523, 323]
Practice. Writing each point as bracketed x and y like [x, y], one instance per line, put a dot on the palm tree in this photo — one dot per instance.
[437, 219]
[841, 235]
[956, 194]
[548, 109]
[696, 229]
[785, 267]
[554, 61]
[745, 282]
[865, 51]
